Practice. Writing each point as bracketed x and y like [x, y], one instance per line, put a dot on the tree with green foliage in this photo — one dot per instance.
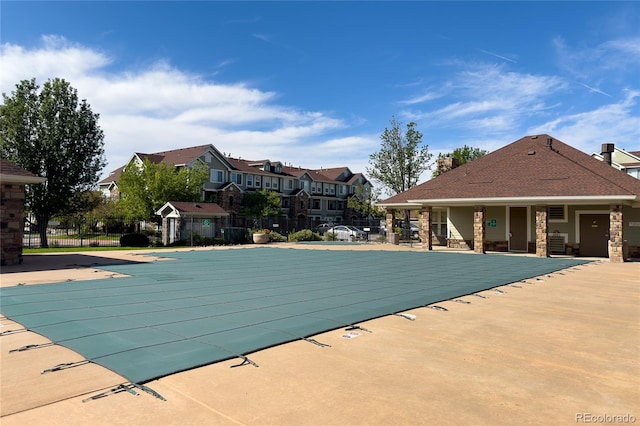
[51, 133]
[463, 155]
[147, 187]
[363, 201]
[401, 160]
[262, 203]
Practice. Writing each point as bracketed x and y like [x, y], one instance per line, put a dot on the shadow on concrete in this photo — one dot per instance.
[49, 262]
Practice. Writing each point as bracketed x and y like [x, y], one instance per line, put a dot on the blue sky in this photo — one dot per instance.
[315, 83]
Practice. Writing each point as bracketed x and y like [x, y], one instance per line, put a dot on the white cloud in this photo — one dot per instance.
[56, 57]
[616, 123]
[618, 55]
[160, 108]
[488, 98]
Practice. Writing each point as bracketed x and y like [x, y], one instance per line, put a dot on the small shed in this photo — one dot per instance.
[12, 182]
[184, 221]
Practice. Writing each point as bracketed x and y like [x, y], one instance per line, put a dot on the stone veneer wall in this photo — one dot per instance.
[424, 228]
[459, 244]
[615, 235]
[299, 205]
[478, 229]
[391, 222]
[542, 231]
[231, 199]
[11, 223]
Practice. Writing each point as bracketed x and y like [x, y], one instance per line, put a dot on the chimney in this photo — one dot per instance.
[445, 164]
[607, 151]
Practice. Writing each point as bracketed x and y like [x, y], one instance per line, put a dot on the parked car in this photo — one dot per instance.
[347, 233]
[322, 228]
[414, 230]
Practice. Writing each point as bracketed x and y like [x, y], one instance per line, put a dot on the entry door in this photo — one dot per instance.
[518, 229]
[594, 235]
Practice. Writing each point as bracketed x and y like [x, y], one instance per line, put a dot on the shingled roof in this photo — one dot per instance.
[11, 173]
[194, 209]
[534, 167]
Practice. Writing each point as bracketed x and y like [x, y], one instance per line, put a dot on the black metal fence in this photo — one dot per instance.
[94, 231]
[84, 231]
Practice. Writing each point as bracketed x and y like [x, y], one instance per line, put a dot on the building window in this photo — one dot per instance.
[332, 205]
[257, 184]
[289, 183]
[285, 202]
[267, 182]
[343, 189]
[249, 180]
[316, 204]
[274, 183]
[236, 178]
[216, 176]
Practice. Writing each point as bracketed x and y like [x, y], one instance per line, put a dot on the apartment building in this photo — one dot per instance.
[307, 195]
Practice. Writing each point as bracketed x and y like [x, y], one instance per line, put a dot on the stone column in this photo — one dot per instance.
[542, 231]
[178, 225]
[11, 223]
[391, 222]
[424, 226]
[616, 234]
[478, 229]
[165, 231]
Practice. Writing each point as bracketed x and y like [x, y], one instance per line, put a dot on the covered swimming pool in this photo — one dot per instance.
[203, 307]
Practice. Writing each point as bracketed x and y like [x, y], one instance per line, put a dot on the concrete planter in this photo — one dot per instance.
[260, 238]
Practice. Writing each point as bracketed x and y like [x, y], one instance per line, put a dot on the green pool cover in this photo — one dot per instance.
[208, 306]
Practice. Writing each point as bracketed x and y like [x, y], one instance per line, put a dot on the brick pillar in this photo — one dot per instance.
[391, 222]
[424, 226]
[615, 234]
[542, 231]
[478, 229]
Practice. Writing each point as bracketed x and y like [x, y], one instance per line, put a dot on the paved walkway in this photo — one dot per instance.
[557, 350]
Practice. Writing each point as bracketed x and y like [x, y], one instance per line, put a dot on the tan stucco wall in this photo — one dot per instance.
[631, 233]
[500, 231]
[460, 221]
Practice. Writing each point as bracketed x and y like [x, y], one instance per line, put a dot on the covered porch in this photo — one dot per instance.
[545, 227]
